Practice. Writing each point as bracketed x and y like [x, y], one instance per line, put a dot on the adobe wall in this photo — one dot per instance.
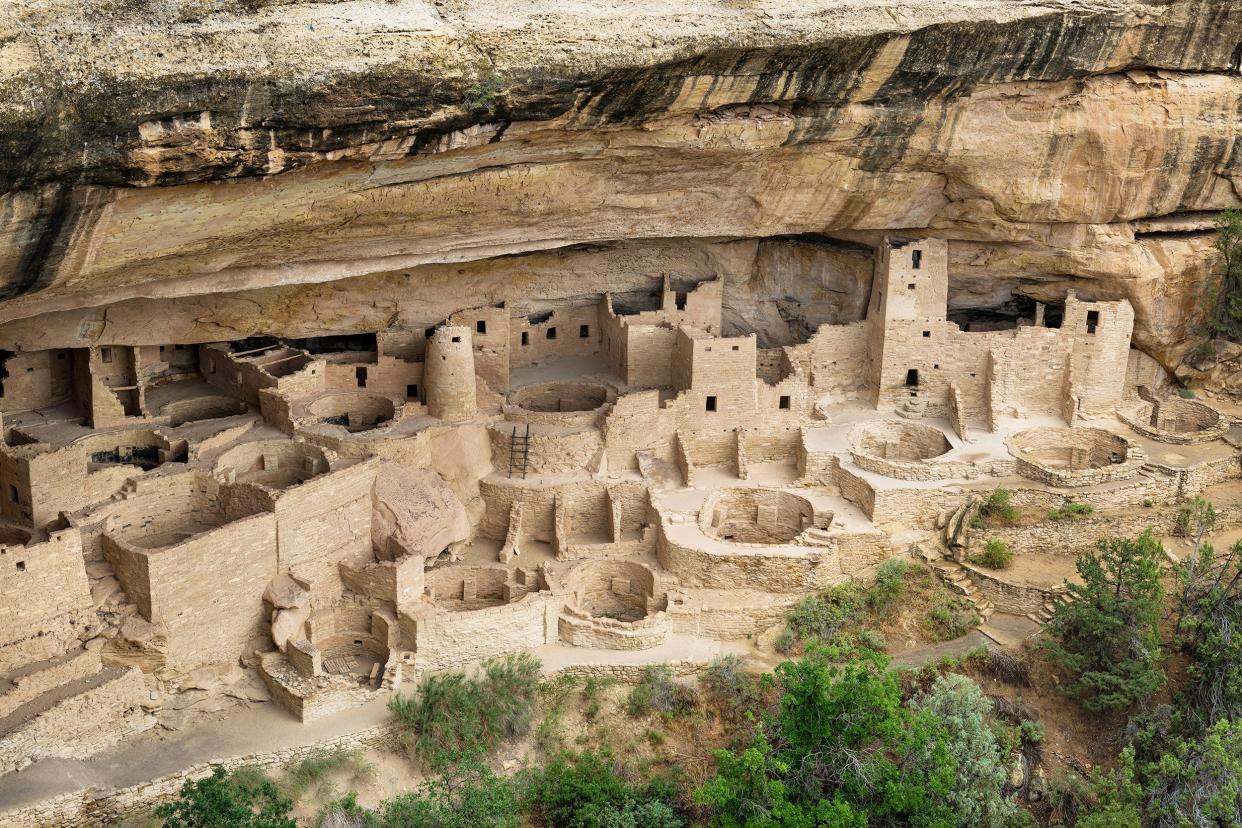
[580, 629]
[834, 359]
[208, 591]
[453, 639]
[98, 717]
[381, 374]
[728, 614]
[326, 521]
[1017, 599]
[638, 423]
[550, 450]
[771, 569]
[569, 331]
[43, 594]
[37, 379]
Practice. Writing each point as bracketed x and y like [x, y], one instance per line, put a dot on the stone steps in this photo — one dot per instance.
[957, 579]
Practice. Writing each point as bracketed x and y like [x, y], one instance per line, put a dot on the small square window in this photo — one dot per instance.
[737, 347]
[525, 338]
[926, 334]
[707, 349]
[105, 354]
[480, 326]
[711, 403]
[783, 403]
[910, 286]
[162, 349]
[584, 331]
[457, 339]
[551, 333]
[21, 566]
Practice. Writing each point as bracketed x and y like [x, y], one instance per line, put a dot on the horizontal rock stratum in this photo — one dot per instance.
[234, 168]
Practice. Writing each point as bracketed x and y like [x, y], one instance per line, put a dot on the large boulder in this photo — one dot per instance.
[414, 512]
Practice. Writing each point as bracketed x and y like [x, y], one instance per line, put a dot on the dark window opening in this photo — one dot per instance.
[21, 566]
[357, 642]
[916, 258]
[430, 332]
[105, 354]
[711, 403]
[680, 300]
[926, 334]
[1093, 319]
[162, 349]
[360, 375]
[912, 378]
[783, 403]
[525, 338]
[480, 326]
[910, 286]
[551, 333]
[737, 347]
[411, 392]
[13, 494]
[584, 331]
[457, 339]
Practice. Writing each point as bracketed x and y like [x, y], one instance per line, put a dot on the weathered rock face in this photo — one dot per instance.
[201, 171]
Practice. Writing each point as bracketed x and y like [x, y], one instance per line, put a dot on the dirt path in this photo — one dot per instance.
[266, 728]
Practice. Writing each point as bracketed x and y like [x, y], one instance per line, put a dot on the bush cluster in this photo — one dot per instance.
[660, 692]
[996, 554]
[454, 714]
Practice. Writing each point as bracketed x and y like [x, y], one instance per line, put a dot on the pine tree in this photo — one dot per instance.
[1107, 635]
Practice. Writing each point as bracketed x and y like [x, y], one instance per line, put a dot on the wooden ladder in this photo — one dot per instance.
[519, 451]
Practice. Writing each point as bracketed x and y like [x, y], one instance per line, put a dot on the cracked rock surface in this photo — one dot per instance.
[211, 169]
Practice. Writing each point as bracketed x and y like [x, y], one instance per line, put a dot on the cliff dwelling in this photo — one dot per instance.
[417, 335]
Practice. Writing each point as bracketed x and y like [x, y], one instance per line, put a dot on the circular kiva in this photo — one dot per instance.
[1074, 456]
[753, 515]
[1174, 420]
[353, 412]
[901, 449]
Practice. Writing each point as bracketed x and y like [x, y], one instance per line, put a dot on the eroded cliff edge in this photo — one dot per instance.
[219, 170]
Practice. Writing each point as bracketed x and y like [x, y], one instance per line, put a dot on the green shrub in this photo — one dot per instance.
[466, 795]
[890, 584]
[1032, 732]
[996, 554]
[1147, 504]
[220, 801]
[660, 692]
[1071, 512]
[825, 615]
[592, 690]
[785, 641]
[594, 790]
[951, 618]
[1186, 393]
[872, 640]
[977, 796]
[454, 714]
[997, 510]
[728, 686]
[313, 771]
